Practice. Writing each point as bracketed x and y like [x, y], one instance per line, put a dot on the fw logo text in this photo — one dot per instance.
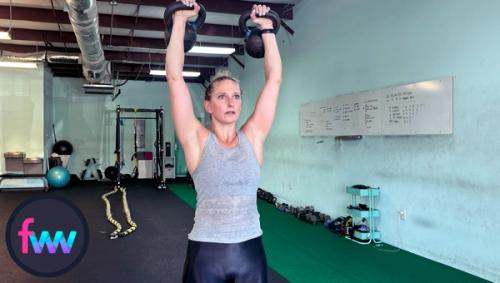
[44, 239]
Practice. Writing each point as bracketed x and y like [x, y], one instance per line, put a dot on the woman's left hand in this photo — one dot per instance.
[261, 10]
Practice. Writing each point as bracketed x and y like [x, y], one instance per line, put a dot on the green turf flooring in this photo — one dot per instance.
[301, 252]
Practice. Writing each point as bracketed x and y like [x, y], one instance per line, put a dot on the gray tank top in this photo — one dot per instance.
[226, 182]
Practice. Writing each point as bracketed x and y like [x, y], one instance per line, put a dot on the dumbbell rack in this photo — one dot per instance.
[371, 214]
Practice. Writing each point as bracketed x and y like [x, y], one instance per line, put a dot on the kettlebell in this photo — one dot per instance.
[253, 36]
[191, 27]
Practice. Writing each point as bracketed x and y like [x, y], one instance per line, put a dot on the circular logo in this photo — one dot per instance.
[47, 236]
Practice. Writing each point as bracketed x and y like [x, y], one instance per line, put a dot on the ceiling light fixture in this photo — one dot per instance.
[212, 50]
[22, 65]
[188, 74]
[5, 35]
[63, 59]
[67, 57]
[99, 89]
[101, 86]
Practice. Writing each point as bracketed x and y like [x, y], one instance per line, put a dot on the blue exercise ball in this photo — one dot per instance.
[58, 177]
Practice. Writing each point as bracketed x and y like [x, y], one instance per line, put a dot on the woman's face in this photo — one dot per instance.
[225, 102]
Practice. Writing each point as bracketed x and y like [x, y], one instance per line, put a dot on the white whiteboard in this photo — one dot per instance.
[422, 108]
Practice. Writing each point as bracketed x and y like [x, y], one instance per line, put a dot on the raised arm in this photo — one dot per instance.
[187, 127]
[260, 122]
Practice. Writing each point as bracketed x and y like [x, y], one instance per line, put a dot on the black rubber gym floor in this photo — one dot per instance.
[155, 252]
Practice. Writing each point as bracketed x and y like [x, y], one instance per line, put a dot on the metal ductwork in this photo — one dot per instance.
[84, 19]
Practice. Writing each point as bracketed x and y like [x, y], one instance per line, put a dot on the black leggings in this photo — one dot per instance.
[214, 262]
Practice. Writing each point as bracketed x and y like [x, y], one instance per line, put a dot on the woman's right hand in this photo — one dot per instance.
[186, 14]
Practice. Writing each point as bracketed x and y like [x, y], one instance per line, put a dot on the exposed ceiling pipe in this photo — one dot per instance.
[83, 17]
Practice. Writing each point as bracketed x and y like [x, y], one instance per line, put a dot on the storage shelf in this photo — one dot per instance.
[363, 192]
[366, 235]
[363, 213]
[369, 215]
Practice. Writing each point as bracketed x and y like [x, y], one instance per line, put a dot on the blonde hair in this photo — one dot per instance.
[219, 76]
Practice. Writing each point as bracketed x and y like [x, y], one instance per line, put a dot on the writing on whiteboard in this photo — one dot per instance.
[417, 108]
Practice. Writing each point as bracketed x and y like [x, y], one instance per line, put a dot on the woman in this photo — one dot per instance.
[225, 242]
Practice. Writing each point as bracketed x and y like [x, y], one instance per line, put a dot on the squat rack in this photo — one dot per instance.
[158, 161]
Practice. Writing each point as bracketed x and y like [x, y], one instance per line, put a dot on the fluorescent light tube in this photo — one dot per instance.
[157, 72]
[212, 50]
[63, 57]
[190, 74]
[23, 65]
[101, 86]
[184, 73]
[5, 35]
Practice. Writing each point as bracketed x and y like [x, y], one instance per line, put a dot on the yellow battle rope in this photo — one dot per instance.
[118, 231]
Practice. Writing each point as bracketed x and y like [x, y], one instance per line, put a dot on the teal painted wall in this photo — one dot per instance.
[88, 121]
[447, 184]
[21, 112]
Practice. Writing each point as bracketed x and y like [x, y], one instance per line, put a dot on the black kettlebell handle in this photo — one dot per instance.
[272, 15]
[176, 6]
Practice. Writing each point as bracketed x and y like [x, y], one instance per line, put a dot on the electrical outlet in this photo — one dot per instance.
[402, 214]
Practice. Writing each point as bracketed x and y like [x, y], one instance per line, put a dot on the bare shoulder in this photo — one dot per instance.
[193, 148]
[202, 137]
[245, 129]
[255, 141]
